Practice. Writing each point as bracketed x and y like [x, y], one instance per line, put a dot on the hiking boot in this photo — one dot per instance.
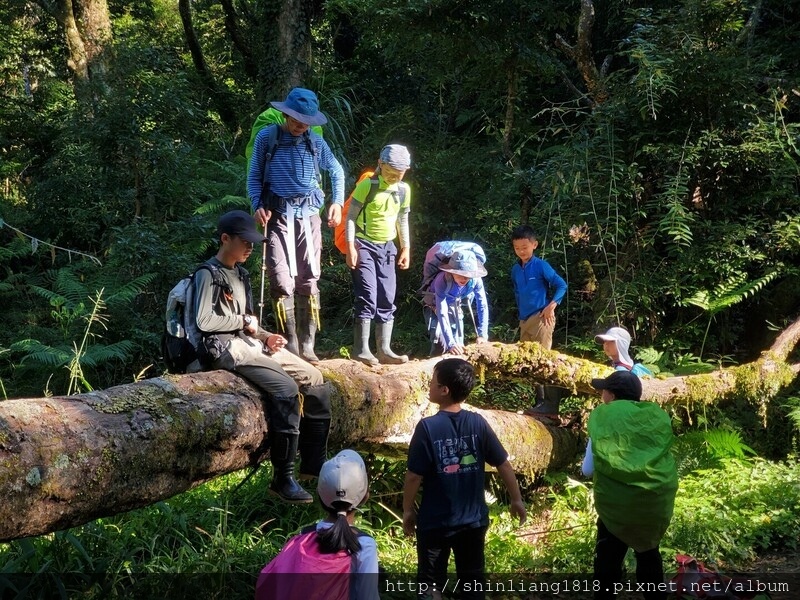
[286, 322]
[283, 451]
[548, 400]
[361, 350]
[307, 324]
[383, 338]
[314, 428]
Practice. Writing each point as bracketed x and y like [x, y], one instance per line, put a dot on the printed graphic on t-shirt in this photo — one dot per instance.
[456, 454]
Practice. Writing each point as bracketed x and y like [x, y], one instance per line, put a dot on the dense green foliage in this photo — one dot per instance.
[666, 191]
[211, 542]
[669, 203]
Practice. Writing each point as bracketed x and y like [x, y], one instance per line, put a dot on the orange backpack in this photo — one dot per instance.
[339, 237]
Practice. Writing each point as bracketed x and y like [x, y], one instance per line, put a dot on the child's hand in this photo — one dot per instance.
[352, 256]
[404, 259]
[549, 314]
[518, 510]
[410, 523]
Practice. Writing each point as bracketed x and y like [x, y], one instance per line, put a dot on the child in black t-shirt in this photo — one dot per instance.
[447, 456]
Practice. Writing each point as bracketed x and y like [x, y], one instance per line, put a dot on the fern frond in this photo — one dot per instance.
[726, 443]
[34, 350]
[98, 354]
[128, 292]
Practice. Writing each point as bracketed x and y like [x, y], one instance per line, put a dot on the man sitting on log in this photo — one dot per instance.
[236, 343]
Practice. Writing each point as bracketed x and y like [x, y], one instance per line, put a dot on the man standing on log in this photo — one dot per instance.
[284, 186]
[236, 343]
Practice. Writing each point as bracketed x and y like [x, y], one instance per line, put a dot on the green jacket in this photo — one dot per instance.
[635, 479]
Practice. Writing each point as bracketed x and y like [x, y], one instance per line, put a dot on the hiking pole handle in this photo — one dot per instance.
[263, 277]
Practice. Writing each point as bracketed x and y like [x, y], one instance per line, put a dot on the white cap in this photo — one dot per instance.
[343, 479]
[622, 338]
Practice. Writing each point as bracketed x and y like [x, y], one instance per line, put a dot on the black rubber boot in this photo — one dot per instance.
[548, 400]
[307, 308]
[383, 339]
[314, 428]
[361, 350]
[313, 446]
[287, 324]
[283, 450]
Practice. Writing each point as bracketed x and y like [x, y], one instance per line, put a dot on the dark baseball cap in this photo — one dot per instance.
[623, 384]
[240, 223]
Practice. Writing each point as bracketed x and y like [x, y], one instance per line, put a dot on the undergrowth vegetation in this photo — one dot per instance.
[212, 541]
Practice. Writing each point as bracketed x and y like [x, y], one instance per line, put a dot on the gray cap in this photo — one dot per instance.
[464, 263]
[343, 479]
[396, 156]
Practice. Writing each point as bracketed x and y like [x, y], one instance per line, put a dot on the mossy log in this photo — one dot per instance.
[67, 460]
[758, 381]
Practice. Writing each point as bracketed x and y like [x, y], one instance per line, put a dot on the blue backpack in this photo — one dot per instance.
[440, 253]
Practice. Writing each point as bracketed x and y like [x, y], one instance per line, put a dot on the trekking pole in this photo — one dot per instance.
[263, 277]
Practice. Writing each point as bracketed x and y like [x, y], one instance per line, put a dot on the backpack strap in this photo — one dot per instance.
[244, 275]
[273, 134]
[399, 196]
[313, 151]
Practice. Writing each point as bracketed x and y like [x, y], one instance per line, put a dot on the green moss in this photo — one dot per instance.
[148, 398]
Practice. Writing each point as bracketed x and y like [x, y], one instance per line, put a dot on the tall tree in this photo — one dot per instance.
[87, 31]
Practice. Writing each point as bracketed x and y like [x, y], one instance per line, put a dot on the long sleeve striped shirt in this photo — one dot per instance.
[291, 170]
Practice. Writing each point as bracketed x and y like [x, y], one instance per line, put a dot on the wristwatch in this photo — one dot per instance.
[248, 320]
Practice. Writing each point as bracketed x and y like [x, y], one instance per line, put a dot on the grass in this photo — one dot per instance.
[211, 542]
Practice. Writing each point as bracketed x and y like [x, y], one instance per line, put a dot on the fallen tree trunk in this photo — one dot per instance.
[67, 460]
[758, 381]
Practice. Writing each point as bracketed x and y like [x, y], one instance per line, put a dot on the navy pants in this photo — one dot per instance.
[609, 555]
[433, 554]
[375, 281]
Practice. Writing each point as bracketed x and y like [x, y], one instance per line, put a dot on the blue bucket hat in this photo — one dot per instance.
[465, 264]
[302, 104]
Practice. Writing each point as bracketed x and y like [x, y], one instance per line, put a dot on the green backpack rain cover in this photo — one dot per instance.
[635, 477]
[268, 117]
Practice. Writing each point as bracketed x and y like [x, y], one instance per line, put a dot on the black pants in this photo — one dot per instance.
[609, 555]
[433, 554]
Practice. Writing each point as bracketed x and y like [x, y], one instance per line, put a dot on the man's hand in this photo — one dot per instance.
[352, 256]
[410, 522]
[456, 349]
[404, 260]
[334, 215]
[262, 216]
[275, 342]
[250, 328]
[481, 340]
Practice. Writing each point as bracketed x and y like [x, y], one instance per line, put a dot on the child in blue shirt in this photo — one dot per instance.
[533, 279]
[458, 279]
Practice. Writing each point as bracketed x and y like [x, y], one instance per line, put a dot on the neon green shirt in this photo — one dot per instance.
[378, 220]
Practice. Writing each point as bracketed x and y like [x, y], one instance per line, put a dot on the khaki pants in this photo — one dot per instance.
[534, 329]
[304, 373]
